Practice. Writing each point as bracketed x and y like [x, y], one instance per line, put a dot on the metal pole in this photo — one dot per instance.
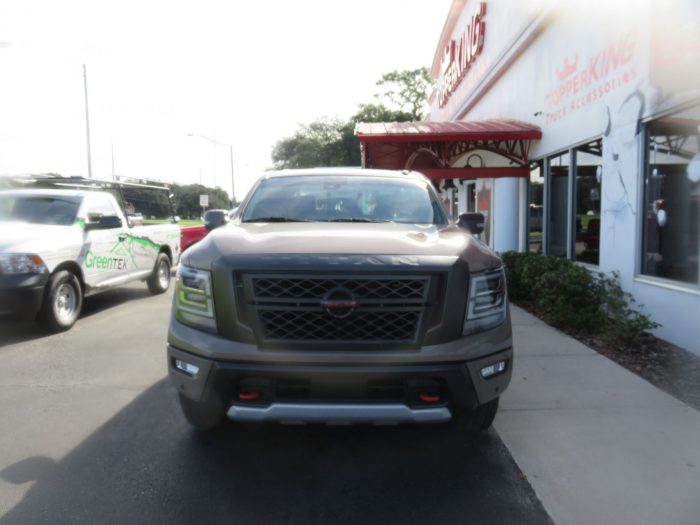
[233, 187]
[87, 123]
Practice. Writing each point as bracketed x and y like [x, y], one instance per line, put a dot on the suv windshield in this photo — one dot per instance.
[343, 199]
[38, 209]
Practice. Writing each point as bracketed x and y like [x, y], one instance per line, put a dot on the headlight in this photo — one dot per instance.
[14, 263]
[487, 302]
[194, 302]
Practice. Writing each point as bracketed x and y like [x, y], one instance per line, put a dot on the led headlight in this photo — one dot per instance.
[194, 302]
[487, 302]
[16, 263]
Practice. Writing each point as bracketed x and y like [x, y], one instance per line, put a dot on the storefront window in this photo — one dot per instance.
[588, 192]
[672, 197]
[483, 205]
[536, 207]
[558, 204]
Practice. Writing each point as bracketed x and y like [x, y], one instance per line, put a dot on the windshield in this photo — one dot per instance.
[343, 199]
[38, 209]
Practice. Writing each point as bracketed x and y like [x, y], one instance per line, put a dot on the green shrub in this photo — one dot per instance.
[624, 324]
[571, 297]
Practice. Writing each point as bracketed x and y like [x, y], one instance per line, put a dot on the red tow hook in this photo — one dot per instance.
[249, 395]
[428, 398]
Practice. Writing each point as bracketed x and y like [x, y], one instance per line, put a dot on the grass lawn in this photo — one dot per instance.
[182, 223]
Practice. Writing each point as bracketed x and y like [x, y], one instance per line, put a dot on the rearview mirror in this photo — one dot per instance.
[106, 222]
[472, 222]
[215, 218]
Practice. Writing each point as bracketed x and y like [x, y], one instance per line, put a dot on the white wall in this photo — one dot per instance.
[619, 48]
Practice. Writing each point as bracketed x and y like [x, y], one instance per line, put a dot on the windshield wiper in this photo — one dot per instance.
[357, 219]
[276, 219]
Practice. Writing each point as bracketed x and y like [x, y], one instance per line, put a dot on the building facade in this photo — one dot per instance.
[614, 180]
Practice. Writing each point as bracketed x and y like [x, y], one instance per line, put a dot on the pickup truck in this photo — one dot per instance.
[59, 245]
[341, 296]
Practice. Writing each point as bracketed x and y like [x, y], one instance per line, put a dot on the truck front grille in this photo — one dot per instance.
[293, 309]
[302, 325]
[295, 288]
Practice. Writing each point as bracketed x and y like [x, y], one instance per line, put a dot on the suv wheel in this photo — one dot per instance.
[480, 418]
[159, 281]
[204, 416]
[62, 303]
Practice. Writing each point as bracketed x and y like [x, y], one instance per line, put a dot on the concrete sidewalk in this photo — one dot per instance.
[598, 444]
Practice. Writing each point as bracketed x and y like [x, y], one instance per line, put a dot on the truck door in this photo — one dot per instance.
[105, 255]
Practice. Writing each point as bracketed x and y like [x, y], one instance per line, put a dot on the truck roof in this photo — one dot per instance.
[74, 194]
[346, 172]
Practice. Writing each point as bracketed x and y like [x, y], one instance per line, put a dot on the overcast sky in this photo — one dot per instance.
[241, 72]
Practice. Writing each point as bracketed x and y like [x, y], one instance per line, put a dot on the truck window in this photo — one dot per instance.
[99, 206]
[38, 209]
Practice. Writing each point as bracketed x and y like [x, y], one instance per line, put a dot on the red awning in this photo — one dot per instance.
[435, 147]
[426, 131]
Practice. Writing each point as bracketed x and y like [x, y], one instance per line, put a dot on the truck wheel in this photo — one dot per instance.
[480, 418]
[204, 416]
[159, 281]
[63, 300]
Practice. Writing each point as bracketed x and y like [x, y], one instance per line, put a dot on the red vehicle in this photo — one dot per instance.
[190, 235]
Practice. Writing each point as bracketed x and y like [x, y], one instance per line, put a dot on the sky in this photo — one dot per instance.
[243, 73]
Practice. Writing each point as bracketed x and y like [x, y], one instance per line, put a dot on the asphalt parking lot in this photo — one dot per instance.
[91, 433]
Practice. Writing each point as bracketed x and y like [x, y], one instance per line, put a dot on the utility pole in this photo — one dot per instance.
[87, 123]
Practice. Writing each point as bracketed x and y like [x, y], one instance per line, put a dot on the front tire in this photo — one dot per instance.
[63, 301]
[479, 419]
[159, 281]
[204, 416]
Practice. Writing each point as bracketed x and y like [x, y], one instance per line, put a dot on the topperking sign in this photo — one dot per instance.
[460, 54]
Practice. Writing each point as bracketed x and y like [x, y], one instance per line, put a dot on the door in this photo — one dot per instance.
[105, 255]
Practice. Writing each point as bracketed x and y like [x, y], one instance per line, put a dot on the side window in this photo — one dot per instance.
[99, 206]
[671, 218]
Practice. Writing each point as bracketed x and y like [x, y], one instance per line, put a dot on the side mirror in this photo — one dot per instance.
[472, 222]
[106, 222]
[215, 218]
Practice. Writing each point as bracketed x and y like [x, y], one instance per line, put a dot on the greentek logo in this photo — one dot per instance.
[105, 263]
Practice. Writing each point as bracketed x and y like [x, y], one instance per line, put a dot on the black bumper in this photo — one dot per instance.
[458, 386]
[21, 296]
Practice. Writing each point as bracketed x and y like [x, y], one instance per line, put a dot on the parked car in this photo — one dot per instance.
[212, 219]
[58, 246]
[341, 296]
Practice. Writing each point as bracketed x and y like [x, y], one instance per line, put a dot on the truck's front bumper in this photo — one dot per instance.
[350, 393]
[21, 296]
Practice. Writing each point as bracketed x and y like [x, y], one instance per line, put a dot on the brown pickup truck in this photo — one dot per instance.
[341, 296]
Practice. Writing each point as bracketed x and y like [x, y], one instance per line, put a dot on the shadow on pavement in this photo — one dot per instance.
[147, 466]
[12, 332]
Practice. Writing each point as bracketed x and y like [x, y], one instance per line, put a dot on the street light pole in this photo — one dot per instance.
[230, 147]
[87, 123]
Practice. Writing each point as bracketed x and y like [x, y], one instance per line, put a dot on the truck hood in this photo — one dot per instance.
[22, 237]
[341, 239]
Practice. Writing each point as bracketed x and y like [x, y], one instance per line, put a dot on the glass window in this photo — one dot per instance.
[99, 206]
[672, 197]
[38, 209]
[144, 204]
[588, 192]
[536, 207]
[484, 188]
[344, 199]
[558, 204]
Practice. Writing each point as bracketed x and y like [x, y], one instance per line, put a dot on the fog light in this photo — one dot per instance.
[493, 369]
[189, 369]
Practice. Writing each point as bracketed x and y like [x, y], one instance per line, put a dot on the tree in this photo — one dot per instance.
[186, 199]
[407, 90]
[332, 142]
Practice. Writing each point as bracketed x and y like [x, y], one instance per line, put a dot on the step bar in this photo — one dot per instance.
[339, 414]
